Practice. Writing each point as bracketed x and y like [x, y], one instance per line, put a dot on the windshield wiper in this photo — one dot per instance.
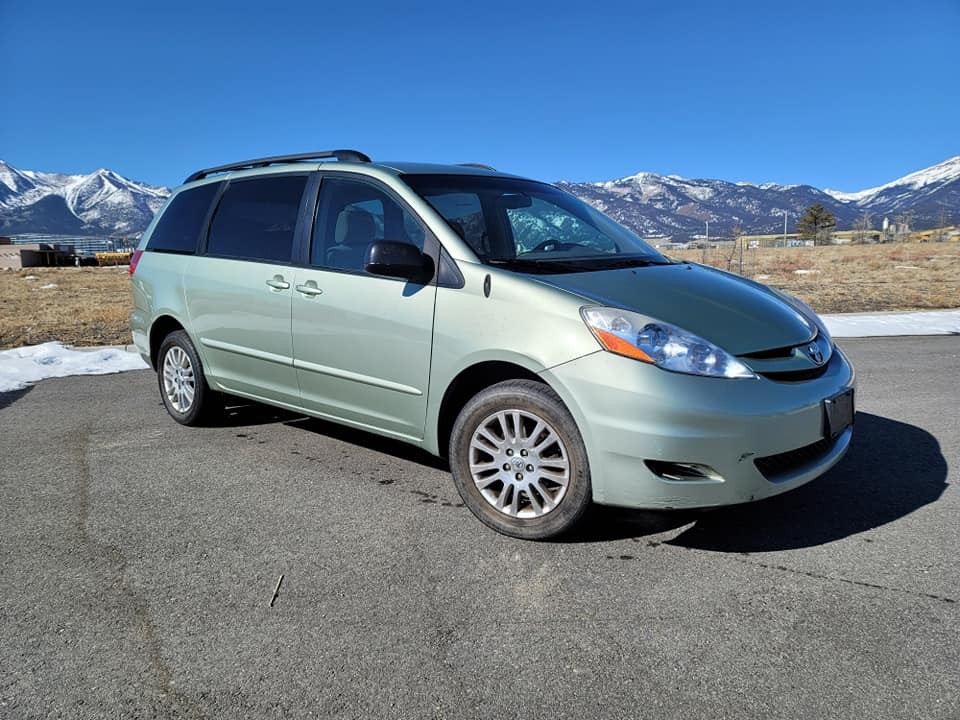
[531, 265]
[576, 264]
[618, 263]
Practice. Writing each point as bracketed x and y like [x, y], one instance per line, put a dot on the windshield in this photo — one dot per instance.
[531, 226]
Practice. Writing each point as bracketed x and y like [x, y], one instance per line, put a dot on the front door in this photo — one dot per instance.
[362, 343]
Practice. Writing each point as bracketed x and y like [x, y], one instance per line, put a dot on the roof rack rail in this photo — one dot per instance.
[477, 165]
[340, 155]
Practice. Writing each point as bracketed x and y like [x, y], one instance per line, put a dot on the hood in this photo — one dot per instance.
[739, 315]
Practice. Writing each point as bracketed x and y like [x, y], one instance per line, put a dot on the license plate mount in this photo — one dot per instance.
[838, 412]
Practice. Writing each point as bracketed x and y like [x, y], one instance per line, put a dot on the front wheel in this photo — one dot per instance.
[183, 387]
[519, 462]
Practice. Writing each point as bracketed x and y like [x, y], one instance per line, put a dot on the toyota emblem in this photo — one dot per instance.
[813, 350]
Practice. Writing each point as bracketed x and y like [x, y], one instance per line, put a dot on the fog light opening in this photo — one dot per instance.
[681, 472]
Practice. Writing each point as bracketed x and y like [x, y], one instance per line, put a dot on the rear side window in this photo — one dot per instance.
[179, 227]
[256, 219]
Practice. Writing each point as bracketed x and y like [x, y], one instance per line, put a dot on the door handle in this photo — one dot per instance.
[278, 283]
[310, 288]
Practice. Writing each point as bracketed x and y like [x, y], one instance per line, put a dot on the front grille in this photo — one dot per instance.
[765, 362]
[796, 375]
[774, 467]
[783, 352]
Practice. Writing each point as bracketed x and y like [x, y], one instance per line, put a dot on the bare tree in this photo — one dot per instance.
[862, 228]
[736, 233]
[903, 222]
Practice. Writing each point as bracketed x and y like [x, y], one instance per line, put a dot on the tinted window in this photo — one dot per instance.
[352, 215]
[256, 219]
[530, 226]
[179, 227]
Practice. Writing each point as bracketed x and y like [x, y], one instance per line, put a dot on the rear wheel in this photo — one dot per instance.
[183, 387]
[519, 462]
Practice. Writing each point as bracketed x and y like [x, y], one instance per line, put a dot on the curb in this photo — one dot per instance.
[887, 313]
[95, 348]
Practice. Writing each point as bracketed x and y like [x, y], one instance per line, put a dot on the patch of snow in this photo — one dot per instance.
[48, 286]
[23, 366]
[805, 272]
[906, 267]
[762, 277]
[934, 322]
[777, 186]
[30, 277]
[848, 197]
[701, 193]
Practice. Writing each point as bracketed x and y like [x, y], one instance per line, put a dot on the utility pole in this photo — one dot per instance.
[706, 243]
[784, 228]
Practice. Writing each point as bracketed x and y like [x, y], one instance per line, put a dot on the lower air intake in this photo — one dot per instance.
[776, 468]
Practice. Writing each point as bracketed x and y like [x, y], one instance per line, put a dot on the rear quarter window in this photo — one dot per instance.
[181, 224]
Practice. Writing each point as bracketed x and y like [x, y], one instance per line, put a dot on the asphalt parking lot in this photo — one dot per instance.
[138, 559]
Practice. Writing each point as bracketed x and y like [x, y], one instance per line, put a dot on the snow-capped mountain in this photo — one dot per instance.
[101, 203]
[922, 192]
[654, 204]
[104, 203]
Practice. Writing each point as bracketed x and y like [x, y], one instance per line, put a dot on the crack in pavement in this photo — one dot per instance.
[743, 559]
[175, 701]
[859, 583]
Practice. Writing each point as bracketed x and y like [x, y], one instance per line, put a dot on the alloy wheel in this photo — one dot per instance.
[519, 463]
[179, 381]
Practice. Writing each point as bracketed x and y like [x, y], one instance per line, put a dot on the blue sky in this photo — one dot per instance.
[837, 94]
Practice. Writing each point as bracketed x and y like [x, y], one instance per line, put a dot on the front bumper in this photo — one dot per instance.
[629, 412]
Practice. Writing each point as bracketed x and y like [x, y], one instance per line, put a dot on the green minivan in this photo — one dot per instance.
[554, 358]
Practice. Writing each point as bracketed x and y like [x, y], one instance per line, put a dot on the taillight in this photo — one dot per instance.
[134, 259]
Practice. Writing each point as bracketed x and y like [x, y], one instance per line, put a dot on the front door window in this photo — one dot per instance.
[351, 216]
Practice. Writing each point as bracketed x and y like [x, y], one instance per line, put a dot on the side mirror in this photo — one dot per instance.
[398, 260]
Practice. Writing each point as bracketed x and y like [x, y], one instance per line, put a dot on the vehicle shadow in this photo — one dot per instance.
[370, 441]
[239, 413]
[11, 396]
[242, 413]
[891, 470]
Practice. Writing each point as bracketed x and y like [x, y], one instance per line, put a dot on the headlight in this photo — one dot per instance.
[658, 343]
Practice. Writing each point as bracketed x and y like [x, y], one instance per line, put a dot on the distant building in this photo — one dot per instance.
[22, 255]
[10, 255]
[83, 245]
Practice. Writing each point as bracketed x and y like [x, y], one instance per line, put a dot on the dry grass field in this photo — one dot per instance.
[91, 306]
[80, 306]
[851, 278]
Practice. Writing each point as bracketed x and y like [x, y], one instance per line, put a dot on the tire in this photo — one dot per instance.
[183, 386]
[534, 484]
